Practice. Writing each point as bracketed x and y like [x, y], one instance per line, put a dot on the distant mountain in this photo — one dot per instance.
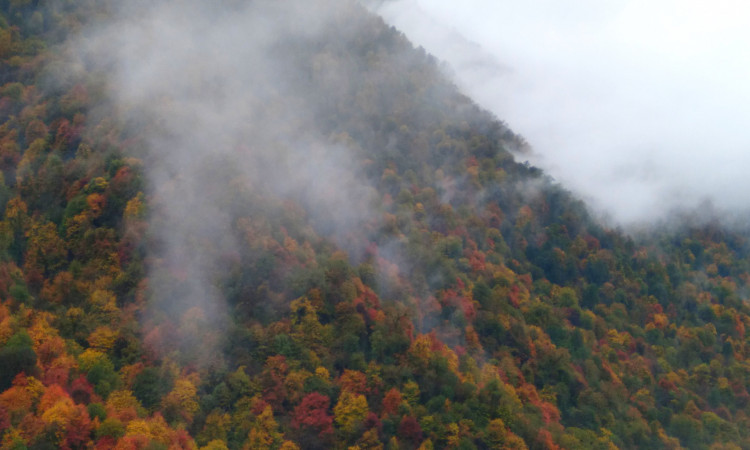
[275, 224]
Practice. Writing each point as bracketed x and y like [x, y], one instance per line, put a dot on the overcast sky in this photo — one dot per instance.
[639, 106]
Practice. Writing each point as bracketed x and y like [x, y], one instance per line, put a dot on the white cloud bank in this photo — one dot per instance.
[641, 107]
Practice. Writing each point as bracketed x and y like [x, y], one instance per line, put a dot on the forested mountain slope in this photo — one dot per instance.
[295, 233]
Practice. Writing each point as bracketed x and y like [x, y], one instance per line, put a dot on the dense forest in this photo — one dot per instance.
[338, 250]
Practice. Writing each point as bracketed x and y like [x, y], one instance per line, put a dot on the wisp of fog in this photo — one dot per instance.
[210, 89]
[638, 107]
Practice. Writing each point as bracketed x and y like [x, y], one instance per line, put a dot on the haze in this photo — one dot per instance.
[639, 107]
[219, 110]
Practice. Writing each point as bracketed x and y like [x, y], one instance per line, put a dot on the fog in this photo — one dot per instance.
[210, 90]
[639, 107]
[225, 111]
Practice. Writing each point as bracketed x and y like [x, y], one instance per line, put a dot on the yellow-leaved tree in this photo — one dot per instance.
[350, 411]
[182, 402]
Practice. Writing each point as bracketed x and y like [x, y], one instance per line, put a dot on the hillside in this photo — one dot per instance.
[275, 224]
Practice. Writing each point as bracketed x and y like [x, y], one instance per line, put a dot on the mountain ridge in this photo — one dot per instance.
[187, 260]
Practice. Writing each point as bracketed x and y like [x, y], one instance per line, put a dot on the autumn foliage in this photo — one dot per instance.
[475, 305]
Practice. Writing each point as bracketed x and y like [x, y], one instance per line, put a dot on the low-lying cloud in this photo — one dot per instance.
[639, 107]
[212, 90]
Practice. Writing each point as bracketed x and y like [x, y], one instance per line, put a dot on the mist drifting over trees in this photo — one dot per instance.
[277, 224]
[637, 107]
